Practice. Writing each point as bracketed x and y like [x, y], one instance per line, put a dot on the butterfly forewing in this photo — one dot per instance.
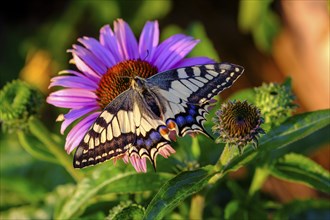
[186, 92]
[132, 123]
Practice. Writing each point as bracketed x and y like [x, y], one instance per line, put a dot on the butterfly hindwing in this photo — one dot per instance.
[126, 125]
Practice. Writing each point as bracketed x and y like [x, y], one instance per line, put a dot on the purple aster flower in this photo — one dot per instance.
[101, 63]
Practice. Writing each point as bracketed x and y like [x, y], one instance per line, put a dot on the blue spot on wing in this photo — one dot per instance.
[187, 119]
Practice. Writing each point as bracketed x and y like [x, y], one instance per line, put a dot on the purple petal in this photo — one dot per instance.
[73, 82]
[69, 103]
[126, 40]
[83, 67]
[109, 40]
[88, 77]
[193, 61]
[77, 132]
[89, 59]
[149, 39]
[75, 93]
[172, 50]
[72, 98]
[101, 52]
[74, 114]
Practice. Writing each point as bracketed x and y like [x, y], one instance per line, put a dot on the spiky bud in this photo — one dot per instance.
[237, 124]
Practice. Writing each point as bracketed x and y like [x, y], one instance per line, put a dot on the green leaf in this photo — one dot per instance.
[299, 207]
[205, 47]
[258, 18]
[266, 31]
[35, 148]
[250, 13]
[195, 148]
[245, 210]
[234, 210]
[259, 177]
[292, 130]
[109, 179]
[245, 94]
[136, 182]
[298, 168]
[170, 30]
[126, 210]
[25, 212]
[176, 190]
[19, 190]
[145, 10]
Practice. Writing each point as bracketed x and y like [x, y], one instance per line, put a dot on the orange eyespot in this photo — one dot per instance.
[164, 131]
[171, 125]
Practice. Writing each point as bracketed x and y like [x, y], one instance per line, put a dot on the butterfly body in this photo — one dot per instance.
[146, 117]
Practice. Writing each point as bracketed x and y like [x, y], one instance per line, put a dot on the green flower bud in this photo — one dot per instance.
[275, 102]
[18, 102]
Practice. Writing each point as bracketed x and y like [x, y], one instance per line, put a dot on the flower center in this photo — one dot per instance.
[240, 119]
[118, 78]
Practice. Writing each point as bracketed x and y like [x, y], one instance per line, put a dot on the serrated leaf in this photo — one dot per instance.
[176, 190]
[292, 130]
[298, 168]
[109, 180]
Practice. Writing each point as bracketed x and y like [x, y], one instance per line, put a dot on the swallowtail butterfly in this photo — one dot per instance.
[138, 120]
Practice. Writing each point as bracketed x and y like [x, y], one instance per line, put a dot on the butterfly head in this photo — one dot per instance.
[138, 83]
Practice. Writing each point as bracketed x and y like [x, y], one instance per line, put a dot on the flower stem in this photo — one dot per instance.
[41, 132]
[25, 143]
[259, 177]
[197, 207]
[225, 157]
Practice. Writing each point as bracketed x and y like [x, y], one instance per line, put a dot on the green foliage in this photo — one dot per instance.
[100, 183]
[176, 190]
[298, 168]
[257, 18]
[304, 209]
